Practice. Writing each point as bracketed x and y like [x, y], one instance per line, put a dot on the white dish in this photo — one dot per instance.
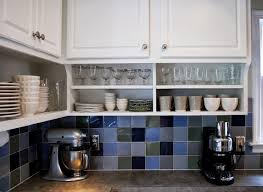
[9, 101]
[10, 105]
[9, 94]
[9, 91]
[9, 98]
[212, 104]
[9, 116]
[30, 94]
[8, 84]
[10, 108]
[29, 99]
[29, 108]
[9, 87]
[229, 104]
[26, 77]
[9, 112]
[29, 83]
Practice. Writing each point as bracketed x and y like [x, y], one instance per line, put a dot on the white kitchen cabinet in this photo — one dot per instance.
[49, 23]
[21, 19]
[203, 29]
[108, 29]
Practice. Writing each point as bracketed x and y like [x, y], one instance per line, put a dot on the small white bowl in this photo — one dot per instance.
[212, 104]
[29, 94]
[26, 77]
[122, 107]
[29, 83]
[42, 108]
[229, 104]
[110, 106]
[29, 99]
[29, 88]
[29, 108]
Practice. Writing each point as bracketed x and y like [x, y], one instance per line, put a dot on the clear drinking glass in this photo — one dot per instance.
[177, 74]
[117, 75]
[188, 74]
[78, 74]
[197, 74]
[92, 71]
[145, 74]
[234, 73]
[165, 73]
[106, 74]
[131, 75]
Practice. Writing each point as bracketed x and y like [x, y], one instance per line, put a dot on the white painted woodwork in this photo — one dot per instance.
[204, 28]
[17, 20]
[108, 28]
[49, 23]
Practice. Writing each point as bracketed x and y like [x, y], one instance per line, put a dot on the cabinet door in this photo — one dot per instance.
[108, 28]
[203, 28]
[17, 20]
[49, 23]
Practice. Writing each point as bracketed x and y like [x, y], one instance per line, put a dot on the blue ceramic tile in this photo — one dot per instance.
[23, 157]
[32, 127]
[33, 167]
[152, 163]
[195, 121]
[180, 134]
[24, 141]
[44, 156]
[249, 120]
[238, 120]
[82, 122]
[249, 150]
[138, 122]
[138, 134]
[110, 122]
[166, 148]
[110, 163]
[180, 148]
[180, 162]
[99, 132]
[180, 121]
[23, 129]
[166, 134]
[209, 121]
[138, 149]
[4, 183]
[194, 148]
[4, 166]
[14, 161]
[32, 153]
[14, 144]
[96, 163]
[35, 137]
[67, 122]
[166, 121]
[98, 153]
[96, 122]
[123, 122]
[138, 162]
[152, 134]
[123, 149]
[44, 125]
[109, 149]
[166, 162]
[110, 135]
[4, 150]
[14, 132]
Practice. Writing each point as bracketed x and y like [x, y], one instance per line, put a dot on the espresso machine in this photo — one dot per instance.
[69, 155]
[219, 153]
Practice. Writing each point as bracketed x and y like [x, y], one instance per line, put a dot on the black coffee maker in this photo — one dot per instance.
[219, 154]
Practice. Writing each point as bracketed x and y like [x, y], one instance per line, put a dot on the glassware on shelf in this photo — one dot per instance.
[78, 74]
[117, 75]
[131, 75]
[177, 75]
[165, 71]
[145, 74]
[92, 73]
[234, 73]
[106, 74]
[198, 74]
[188, 74]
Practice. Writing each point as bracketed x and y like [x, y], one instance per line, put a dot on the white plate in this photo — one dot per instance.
[10, 108]
[9, 94]
[9, 101]
[9, 112]
[9, 91]
[9, 87]
[10, 105]
[8, 116]
[9, 84]
[9, 98]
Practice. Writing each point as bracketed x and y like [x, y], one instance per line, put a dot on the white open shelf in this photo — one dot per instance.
[199, 86]
[107, 87]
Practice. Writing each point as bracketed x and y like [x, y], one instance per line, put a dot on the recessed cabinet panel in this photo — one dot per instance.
[204, 28]
[108, 28]
[49, 23]
[17, 20]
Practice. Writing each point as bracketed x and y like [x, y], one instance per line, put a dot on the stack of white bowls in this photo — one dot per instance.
[29, 86]
[122, 104]
[110, 101]
[43, 99]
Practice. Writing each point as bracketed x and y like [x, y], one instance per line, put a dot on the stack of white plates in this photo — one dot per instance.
[89, 108]
[43, 99]
[29, 93]
[9, 100]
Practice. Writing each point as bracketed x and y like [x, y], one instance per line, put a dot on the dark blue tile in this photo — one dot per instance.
[44, 125]
[138, 122]
[180, 148]
[180, 121]
[152, 163]
[138, 162]
[98, 153]
[68, 122]
[110, 122]
[195, 121]
[23, 157]
[166, 121]
[35, 137]
[4, 183]
[23, 129]
[238, 120]
[14, 161]
[152, 134]
[123, 122]
[209, 121]
[4, 150]
[32, 127]
[32, 153]
[82, 122]
[249, 120]
[110, 149]
[166, 148]
[14, 144]
[96, 122]
[14, 132]
[44, 151]
[33, 167]
[138, 134]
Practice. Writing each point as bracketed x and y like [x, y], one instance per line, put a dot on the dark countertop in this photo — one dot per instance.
[145, 181]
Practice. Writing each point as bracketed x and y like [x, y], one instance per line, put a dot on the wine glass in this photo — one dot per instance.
[106, 74]
[165, 72]
[145, 74]
[92, 72]
[131, 75]
[117, 75]
[78, 74]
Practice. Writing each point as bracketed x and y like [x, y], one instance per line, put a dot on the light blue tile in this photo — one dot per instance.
[4, 150]
[138, 149]
[138, 122]
[180, 121]
[124, 122]
[166, 134]
[180, 162]
[123, 149]
[110, 122]
[152, 163]
[109, 149]
[152, 134]
[110, 163]
[180, 134]
[110, 135]
[209, 121]
[180, 148]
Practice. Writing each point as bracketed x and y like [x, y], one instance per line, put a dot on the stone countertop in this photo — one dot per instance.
[145, 181]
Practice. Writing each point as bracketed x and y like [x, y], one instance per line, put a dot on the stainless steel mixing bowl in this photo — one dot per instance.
[75, 160]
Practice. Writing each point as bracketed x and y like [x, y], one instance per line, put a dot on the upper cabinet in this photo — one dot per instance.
[108, 29]
[203, 28]
[33, 23]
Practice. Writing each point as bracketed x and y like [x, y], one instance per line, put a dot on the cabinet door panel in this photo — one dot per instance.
[49, 23]
[17, 20]
[204, 28]
[108, 28]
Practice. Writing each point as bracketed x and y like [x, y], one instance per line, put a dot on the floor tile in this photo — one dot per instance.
[124, 163]
[153, 149]
[152, 163]
[138, 162]
[138, 149]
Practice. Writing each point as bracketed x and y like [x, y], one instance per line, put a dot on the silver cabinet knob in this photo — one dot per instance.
[144, 46]
[42, 37]
[36, 34]
[164, 46]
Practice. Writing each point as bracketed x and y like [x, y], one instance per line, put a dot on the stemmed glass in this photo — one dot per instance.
[165, 72]
[117, 75]
[106, 74]
[131, 74]
[78, 72]
[92, 72]
[145, 74]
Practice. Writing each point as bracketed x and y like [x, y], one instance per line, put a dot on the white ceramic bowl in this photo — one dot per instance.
[110, 106]
[29, 108]
[229, 104]
[29, 94]
[26, 77]
[212, 104]
[29, 88]
[42, 108]
[122, 107]
[29, 83]
[29, 99]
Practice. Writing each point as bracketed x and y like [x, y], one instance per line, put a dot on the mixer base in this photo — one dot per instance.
[64, 178]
